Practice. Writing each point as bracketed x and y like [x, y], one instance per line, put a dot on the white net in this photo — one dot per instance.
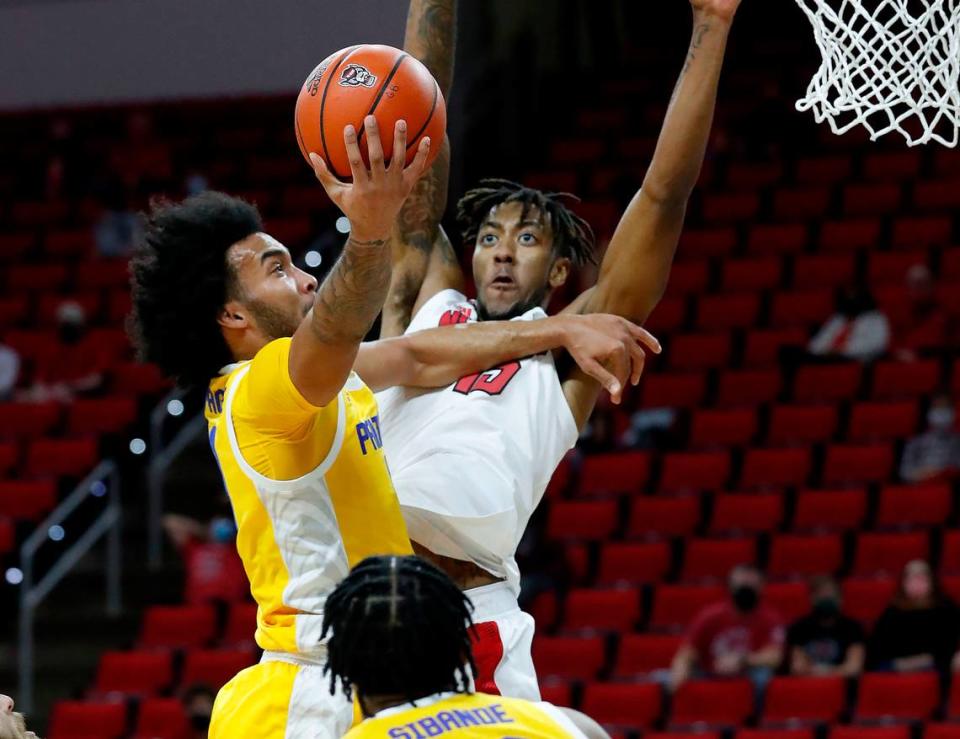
[888, 65]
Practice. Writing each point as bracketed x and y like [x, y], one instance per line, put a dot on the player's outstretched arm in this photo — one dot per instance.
[325, 345]
[608, 348]
[424, 261]
[636, 266]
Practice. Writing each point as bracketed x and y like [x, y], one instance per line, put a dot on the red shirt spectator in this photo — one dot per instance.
[721, 631]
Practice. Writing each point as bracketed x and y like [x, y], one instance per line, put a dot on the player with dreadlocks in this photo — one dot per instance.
[510, 426]
[400, 638]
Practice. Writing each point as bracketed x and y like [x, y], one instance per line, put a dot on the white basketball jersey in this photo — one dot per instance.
[470, 461]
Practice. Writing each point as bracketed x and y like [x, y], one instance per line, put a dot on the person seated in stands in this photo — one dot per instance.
[197, 702]
[934, 454]
[213, 568]
[919, 630]
[12, 724]
[738, 636]
[825, 642]
[927, 324]
[9, 371]
[857, 330]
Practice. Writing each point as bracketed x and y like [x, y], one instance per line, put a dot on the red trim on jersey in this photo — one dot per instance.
[487, 653]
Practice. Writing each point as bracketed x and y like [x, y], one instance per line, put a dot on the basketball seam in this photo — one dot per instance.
[323, 105]
[436, 96]
[380, 93]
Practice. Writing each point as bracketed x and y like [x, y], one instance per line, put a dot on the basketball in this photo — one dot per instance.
[363, 80]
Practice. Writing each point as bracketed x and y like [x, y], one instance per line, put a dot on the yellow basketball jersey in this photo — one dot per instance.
[476, 715]
[309, 486]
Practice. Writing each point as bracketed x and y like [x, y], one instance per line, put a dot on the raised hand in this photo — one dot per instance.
[610, 349]
[724, 9]
[372, 201]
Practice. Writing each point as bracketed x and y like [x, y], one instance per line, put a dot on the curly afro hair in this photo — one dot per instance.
[180, 280]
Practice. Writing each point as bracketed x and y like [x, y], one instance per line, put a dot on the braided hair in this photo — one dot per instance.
[400, 627]
[572, 236]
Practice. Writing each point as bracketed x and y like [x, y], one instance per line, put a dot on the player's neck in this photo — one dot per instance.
[372, 705]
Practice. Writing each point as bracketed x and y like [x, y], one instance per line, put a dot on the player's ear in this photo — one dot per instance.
[559, 272]
[233, 315]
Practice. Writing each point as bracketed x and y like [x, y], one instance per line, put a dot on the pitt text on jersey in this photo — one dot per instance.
[368, 432]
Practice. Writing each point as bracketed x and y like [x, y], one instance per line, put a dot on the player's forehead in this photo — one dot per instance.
[510, 214]
[253, 250]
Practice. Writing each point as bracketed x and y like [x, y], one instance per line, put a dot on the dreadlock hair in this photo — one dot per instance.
[572, 236]
[180, 281]
[399, 627]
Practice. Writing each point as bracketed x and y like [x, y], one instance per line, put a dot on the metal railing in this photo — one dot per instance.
[103, 481]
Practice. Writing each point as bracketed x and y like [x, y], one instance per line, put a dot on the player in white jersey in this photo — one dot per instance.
[470, 462]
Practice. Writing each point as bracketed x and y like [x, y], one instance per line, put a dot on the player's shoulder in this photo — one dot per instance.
[447, 307]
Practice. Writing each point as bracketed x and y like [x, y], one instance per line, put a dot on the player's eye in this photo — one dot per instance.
[488, 239]
[278, 268]
[528, 238]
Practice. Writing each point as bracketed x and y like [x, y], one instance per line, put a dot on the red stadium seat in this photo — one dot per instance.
[819, 271]
[640, 654]
[36, 277]
[663, 516]
[561, 479]
[684, 390]
[667, 317]
[888, 553]
[101, 415]
[137, 379]
[9, 456]
[797, 555]
[101, 273]
[801, 309]
[633, 563]
[790, 599]
[891, 696]
[749, 175]
[747, 514]
[49, 303]
[753, 274]
[689, 277]
[872, 199]
[869, 732]
[582, 520]
[802, 424]
[937, 195]
[763, 346]
[178, 626]
[712, 702]
[941, 731]
[7, 535]
[161, 718]
[830, 510]
[27, 499]
[241, 625]
[766, 468]
[804, 699]
[950, 261]
[694, 471]
[717, 428]
[882, 421]
[66, 457]
[774, 734]
[699, 351]
[786, 238]
[714, 558]
[142, 673]
[864, 599]
[727, 311]
[893, 266]
[827, 383]
[621, 472]
[800, 203]
[557, 693]
[748, 387]
[636, 706]
[915, 232]
[39, 212]
[914, 505]
[214, 667]
[891, 165]
[601, 610]
[730, 207]
[87, 720]
[15, 245]
[33, 345]
[953, 701]
[675, 606]
[850, 463]
[824, 169]
[708, 242]
[28, 420]
[569, 657]
[895, 380]
[13, 310]
[862, 233]
[950, 552]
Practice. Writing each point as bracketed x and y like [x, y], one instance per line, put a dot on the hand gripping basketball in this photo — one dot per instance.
[373, 200]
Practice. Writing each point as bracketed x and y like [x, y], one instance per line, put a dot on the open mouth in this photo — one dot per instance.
[503, 282]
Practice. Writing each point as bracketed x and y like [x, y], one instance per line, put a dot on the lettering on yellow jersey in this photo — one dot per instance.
[215, 401]
[444, 721]
[368, 432]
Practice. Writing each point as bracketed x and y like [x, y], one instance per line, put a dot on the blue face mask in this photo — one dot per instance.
[222, 530]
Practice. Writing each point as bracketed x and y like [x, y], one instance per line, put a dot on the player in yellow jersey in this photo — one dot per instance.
[295, 430]
[400, 639]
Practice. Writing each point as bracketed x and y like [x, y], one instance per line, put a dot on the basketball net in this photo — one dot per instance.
[888, 65]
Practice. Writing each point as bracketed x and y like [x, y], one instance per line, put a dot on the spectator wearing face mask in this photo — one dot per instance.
[197, 702]
[934, 454]
[926, 324]
[857, 330]
[919, 630]
[825, 642]
[214, 571]
[738, 637]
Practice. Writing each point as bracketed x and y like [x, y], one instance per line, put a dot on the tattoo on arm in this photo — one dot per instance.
[350, 298]
[420, 216]
[431, 38]
[698, 33]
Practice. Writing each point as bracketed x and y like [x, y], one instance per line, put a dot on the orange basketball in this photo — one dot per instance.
[363, 80]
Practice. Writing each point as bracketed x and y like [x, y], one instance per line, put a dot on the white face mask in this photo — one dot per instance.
[941, 419]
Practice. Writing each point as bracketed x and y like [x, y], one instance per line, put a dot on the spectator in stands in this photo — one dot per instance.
[919, 630]
[198, 704]
[12, 724]
[736, 637]
[927, 326]
[857, 330]
[934, 454]
[214, 571]
[600, 433]
[9, 371]
[825, 642]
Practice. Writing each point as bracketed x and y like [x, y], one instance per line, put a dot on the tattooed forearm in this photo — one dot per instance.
[430, 37]
[420, 216]
[352, 295]
[698, 34]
